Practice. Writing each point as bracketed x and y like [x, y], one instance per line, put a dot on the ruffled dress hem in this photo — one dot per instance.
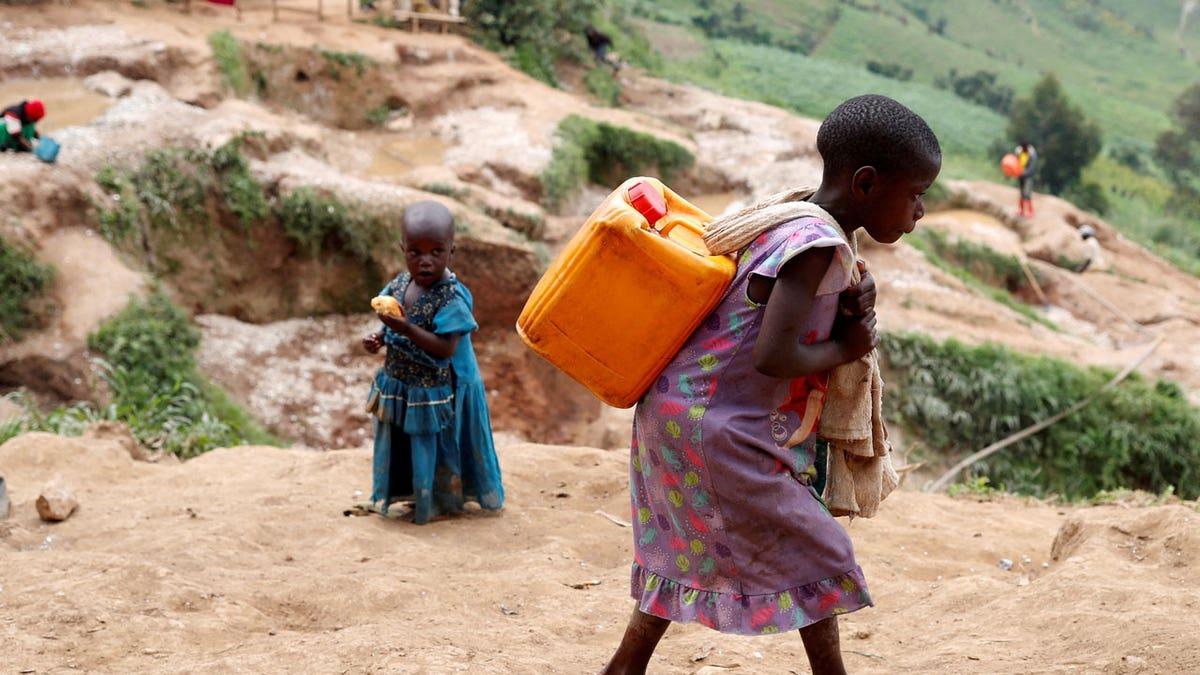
[765, 614]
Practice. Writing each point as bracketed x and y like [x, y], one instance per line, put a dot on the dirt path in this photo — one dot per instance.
[241, 561]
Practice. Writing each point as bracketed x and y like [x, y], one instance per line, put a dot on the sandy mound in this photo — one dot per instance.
[242, 560]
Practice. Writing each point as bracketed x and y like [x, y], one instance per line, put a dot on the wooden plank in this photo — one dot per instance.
[415, 19]
[403, 15]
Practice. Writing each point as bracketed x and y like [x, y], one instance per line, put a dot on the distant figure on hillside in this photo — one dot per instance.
[1028, 158]
[1095, 259]
[433, 432]
[729, 529]
[600, 44]
[20, 125]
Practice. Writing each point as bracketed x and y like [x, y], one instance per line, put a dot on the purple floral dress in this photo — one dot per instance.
[727, 528]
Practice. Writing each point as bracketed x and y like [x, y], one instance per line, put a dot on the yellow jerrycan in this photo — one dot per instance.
[626, 292]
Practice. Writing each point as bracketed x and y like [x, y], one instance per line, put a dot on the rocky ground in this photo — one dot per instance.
[241, 559]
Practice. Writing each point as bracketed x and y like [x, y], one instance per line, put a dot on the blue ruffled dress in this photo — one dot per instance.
[419, 419]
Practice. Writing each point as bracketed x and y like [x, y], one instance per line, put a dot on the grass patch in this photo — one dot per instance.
[23, 286]
[310, 217]
[447, 190]
[980, 267]
[1138, 435]
[602, 153]
[336, 61]
[174, 191]
[603, 87]
[150, 370]
[228, 56]
[175, 195]
[979, 487]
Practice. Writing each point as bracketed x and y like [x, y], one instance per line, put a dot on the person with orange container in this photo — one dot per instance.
[1027, 159]
[433, 438]
[729, 528]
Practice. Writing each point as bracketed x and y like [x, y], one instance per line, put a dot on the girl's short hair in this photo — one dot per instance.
[874, 130]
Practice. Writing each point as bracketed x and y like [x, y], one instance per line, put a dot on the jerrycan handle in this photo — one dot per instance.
[648, 202]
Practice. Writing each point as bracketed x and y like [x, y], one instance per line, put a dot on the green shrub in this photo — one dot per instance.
[605, 88]
[379, 115]
[980, 87]
[150, 369]
[171, 186]
[958, 399]
[568, 167]
[23, 284]
[120, 221]
[981, 261]
[241, 192]
[338, 60]
[1088, 196]
[978, 487]
[606, 154]
[173, 189]
[447, 190]
[893, 71]
[310, 218]
[152, 338]
[228, 56]
[532, 35]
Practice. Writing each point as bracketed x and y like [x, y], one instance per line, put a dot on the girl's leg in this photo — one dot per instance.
[641, 637]
[823, 647]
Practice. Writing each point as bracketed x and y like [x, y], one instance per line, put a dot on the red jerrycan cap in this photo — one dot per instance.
[648, 201]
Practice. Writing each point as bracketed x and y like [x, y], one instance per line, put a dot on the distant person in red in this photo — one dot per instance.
[20, 125]
[1028, 157]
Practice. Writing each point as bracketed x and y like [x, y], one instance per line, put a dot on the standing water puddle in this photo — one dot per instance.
[714, 204]
[405, 154]
[68, 102]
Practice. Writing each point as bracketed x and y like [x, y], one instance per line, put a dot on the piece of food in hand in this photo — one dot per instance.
[387, 306]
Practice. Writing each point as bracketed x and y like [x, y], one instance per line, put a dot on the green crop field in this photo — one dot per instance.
[1121, 62]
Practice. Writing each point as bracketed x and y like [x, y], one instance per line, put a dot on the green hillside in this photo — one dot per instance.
[1122, 63]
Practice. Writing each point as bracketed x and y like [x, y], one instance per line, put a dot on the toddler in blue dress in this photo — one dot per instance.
[433, 437]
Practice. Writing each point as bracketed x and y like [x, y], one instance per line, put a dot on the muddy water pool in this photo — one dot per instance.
[68, 102]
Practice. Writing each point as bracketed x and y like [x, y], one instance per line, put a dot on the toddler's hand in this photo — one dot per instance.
[856, 300]
[396, 324]
[372, 342]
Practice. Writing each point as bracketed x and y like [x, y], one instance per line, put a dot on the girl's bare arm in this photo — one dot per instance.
[779, 350]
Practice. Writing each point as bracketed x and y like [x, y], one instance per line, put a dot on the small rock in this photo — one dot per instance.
[56, 502]
[110, 83]
[1005, 564]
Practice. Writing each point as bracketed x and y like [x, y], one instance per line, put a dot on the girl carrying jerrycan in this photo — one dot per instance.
[729, 530]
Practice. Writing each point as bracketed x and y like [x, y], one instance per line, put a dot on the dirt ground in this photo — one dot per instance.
[242, 560]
